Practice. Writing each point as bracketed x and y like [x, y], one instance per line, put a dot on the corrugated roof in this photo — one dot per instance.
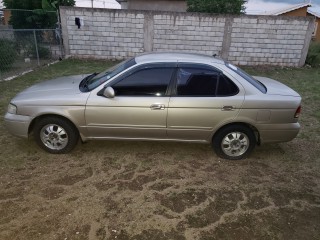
[291, 8]
[312, 12]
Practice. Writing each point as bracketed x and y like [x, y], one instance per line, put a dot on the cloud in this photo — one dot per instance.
[262, 7]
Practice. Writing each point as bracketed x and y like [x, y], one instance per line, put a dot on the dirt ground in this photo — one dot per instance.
[152, 190]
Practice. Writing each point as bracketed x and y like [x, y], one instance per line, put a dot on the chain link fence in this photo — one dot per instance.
[22, 50]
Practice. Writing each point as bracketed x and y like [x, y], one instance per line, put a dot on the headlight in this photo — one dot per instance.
[12, 109]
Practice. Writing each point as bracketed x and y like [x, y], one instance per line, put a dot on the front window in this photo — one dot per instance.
[152, 81]
[109, 73]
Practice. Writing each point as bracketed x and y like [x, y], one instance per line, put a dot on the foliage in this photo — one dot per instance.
[54, 4]
[40, 14]
[7, 54]
[216, 6]
[313, 57]
[44, 52]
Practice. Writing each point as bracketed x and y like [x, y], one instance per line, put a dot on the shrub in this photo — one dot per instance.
[44, 52]
[8, 54]
[313, 57]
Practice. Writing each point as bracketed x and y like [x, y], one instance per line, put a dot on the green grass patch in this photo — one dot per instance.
[313, 57]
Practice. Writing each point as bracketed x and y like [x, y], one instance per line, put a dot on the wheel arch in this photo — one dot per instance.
[248, 125]
[36, 119]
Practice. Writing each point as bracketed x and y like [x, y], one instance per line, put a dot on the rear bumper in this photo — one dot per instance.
[272, 133]
[17, 124]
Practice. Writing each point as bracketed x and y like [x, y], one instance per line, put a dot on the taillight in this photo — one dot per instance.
[298, 111]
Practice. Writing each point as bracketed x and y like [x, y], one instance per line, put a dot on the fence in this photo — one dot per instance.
[23, 50]
[28, 38]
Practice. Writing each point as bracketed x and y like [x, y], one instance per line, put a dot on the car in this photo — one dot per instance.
[159, 96]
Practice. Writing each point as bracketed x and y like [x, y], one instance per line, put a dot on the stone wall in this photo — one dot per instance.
[244, 40]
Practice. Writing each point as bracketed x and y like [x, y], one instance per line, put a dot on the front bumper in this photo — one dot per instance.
[17, 125]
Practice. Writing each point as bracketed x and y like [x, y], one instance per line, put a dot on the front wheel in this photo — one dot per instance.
[56, 135]
[234, 142]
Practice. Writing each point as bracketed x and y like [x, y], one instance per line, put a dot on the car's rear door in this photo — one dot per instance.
[139, 108]
[202, 99]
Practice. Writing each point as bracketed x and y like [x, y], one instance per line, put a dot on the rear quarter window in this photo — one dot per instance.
[248, 78]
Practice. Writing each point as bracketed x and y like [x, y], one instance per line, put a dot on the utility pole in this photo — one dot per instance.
[91, 3]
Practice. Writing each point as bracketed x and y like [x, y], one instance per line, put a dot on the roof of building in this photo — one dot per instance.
[291, 8]
[314, 11]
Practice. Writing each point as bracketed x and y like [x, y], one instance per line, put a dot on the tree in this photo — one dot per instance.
[34, 14]
[216, 6]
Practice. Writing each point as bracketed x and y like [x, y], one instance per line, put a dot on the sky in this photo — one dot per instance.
[264, 6]
[253, 6]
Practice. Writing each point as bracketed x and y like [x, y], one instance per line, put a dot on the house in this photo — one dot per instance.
[161, 5]
[316, 32]
[302, 10]
[299, 10]
[6, 16]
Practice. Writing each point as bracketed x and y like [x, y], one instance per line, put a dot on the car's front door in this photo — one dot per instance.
[139, 108]
[203, 98]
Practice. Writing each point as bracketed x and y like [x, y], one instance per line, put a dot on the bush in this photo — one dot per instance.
[8, 54]
[44, 52]
[313, 57]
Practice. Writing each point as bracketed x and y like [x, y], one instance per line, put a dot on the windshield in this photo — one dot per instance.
[109, 73]
[247, 77]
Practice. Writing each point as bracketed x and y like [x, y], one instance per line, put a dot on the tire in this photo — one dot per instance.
[56, 135]
[234, 142]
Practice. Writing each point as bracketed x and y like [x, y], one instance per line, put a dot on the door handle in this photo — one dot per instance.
[157, 106]
[227, 108]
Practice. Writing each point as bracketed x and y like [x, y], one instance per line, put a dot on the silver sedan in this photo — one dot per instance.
[159, 96]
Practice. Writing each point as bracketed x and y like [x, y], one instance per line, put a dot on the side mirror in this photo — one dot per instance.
[109, 92]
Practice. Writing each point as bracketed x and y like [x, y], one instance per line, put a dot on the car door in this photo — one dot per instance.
[203, 99]
[139, 108]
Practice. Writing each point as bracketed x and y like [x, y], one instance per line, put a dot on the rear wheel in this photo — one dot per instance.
[234, 142]
[56, 135]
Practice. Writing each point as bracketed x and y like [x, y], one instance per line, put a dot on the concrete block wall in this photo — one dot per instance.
[243, 40]
[188, 34]
[277, 41]
[104, 35]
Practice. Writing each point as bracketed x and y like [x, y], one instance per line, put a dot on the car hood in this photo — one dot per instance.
[59, 91]
[276, 88]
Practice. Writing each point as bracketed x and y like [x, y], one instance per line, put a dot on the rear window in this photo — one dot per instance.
[248, 78]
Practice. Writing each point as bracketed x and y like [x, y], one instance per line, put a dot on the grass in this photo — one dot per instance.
[313, 57]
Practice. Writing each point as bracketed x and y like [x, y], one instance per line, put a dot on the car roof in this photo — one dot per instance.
[176, 57]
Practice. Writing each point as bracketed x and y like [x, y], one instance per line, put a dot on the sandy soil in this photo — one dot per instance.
[152, 190]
